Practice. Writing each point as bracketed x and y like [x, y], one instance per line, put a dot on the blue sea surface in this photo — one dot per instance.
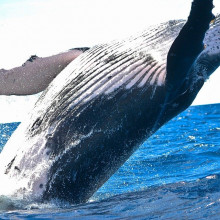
[175, 174]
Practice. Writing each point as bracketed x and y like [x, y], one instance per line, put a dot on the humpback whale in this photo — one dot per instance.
[105, 104]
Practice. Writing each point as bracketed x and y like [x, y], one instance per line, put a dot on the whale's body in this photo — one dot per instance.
[97, 112]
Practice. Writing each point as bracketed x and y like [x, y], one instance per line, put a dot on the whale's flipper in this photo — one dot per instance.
[187, 48]
[188, 44]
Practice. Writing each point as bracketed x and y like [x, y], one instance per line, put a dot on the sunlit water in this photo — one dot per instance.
[174, 175]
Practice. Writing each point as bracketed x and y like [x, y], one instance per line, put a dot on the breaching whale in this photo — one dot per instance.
[109, 100]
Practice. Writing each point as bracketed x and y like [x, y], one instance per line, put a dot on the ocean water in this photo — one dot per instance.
[174, 175]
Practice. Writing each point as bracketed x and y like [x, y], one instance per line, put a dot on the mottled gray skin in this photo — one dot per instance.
[35, 74]
[88, 138]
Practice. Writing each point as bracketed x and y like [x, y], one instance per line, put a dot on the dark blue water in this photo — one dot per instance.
[174, 175]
